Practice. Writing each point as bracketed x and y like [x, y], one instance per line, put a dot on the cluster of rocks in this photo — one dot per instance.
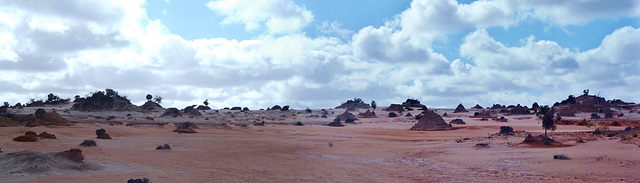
[31, 136]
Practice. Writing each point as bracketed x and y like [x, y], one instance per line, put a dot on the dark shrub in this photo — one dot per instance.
[561, 156]
[164, 147]
[299, 123]
[31, 133]
[506, 130]
[143, 180]
[393, 114]
[88, 143]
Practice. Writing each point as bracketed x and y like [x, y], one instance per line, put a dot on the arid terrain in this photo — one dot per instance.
[234, 146]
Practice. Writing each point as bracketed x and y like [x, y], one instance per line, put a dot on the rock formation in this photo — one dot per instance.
[431, 121]
[460, 108]
[367, 114]
[102, 134]
[346, 115]
[150, 106]
[107, 100]
[172, 112]
[32, 162]
[191, 111]
[457, 121]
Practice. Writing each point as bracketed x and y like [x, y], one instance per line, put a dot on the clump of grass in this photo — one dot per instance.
[561, 156]
[88, 143]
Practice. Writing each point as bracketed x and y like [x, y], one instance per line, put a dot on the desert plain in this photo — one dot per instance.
[268, 146]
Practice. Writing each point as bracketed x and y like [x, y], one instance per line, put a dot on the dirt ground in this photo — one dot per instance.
[372, 150]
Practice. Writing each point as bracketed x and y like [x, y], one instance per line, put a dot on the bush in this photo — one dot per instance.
[561, 156]
[31, 133]
[88, 143]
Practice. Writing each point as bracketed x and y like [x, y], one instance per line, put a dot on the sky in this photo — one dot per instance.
[319, 53]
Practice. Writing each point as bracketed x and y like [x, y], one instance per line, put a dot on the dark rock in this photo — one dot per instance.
[431, 121]
[172, 112]
[506, 130]
[457, 121]
[164, 147]
[460, 108]
[393, 115]
[102, 134]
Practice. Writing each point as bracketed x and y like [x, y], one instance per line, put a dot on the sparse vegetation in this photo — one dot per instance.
[149, 97]
[548, 123]
[88, 143]
[374, 105]
[561, 156]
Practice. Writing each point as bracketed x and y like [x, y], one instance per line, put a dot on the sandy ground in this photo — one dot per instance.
[373, 150]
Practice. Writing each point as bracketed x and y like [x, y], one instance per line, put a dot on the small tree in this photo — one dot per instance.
[158, 99]
[149, 97]
[206, 102]
[308, 110]
[374, 105]
[548, 123]
[6, 104]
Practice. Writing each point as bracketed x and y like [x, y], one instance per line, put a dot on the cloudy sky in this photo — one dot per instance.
[317, 53]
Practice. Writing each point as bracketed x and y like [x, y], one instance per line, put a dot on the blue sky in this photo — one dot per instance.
[313, 53]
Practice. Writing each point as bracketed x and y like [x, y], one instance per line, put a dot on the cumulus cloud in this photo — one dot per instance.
[76, 50]
[279, 16]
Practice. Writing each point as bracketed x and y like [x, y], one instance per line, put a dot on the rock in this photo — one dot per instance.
[445, 115]
[395, 107]
[45, 135]
[236, 108]
[299, 123]
[460, 108]
[431, 121]
[482, 145]
[519, 110]
[393, 115]
[25, 138]
[595, 116]
[88, 143]
[276, 107]
[31, 162]
[408, 115]
[419, 116]
[186, 127]
[40, 113]
[457, 121]
[102, 134]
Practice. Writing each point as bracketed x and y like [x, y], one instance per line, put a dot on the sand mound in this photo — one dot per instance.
[7, 122]
[107, 100]
[150, 106]
[460, 108]
[346, 115]
[45, 135]
[39, 118]
[191, 111]
[367, 114]
[186, 127]
[173, 112]
[540, 141]
[25, 138]
[457, 121]
[28, 161]
[431, 121]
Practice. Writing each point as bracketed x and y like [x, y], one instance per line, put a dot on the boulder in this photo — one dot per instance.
[31, 162]
[460, 108]
[506, 130]
[431, 121]
[457, 121]
[102, 134]
[595, 116]
[202, 107]
[477, 107]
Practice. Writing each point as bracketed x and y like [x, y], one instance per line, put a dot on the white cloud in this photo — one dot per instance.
[76, 51]
[279, 16]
